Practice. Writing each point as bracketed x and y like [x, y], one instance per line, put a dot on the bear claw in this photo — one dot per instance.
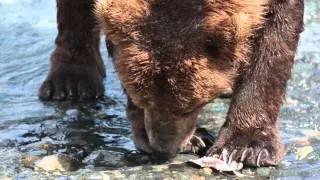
[199, 142]
[248, 156]
[252, 150]
[78, 88]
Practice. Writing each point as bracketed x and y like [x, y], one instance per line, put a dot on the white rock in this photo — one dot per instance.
[55, 162]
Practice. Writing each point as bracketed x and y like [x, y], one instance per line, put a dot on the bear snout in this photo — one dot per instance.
[167, 133]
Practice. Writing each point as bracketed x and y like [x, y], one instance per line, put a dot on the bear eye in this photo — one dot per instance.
[211, 47]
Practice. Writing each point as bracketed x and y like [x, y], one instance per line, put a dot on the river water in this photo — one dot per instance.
[27, 32]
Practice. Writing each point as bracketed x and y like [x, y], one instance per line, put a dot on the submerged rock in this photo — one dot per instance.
[94, 158]
[49, 147]
[104, 158]
[60, 162]
[72, 113]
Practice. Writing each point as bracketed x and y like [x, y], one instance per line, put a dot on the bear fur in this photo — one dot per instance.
[175, 56]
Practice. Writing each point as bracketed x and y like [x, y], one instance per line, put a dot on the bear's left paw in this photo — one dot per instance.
[199, 142]
[260, 147]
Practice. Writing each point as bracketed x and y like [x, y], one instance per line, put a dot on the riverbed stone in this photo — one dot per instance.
[104, 158]
[29, 160]
[60, 162]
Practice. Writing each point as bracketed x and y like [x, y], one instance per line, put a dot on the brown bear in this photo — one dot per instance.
[175, 56]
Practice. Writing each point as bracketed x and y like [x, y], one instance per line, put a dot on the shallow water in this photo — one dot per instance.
[27, 32]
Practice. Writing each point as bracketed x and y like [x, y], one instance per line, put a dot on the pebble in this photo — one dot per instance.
[49, 147]
[72, 113]
[94, 158]
[207, 171]
[103, 157]
[197, 177]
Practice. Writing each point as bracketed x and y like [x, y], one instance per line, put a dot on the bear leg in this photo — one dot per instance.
[77, 69]
[250, 134]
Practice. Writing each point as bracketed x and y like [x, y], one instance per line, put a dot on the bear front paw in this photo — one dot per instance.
[259, 147]
[72, 82]
[199, 142]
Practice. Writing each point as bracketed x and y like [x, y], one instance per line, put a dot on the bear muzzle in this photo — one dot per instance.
[168, 133]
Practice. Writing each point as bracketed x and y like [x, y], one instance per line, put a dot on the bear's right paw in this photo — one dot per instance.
[259, 147]
[72, 82]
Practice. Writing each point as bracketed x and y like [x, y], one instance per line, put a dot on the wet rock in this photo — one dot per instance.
[104, 158]
[264, 171]
[207, 171]
[158, 168]
[58, 162]
[48, 147]
[40, 148]
[94, 158]
[72, 113]
[29, 160]
[76, 139]
[136, 158]
[248, 172]
[197, 177]
[48, 129]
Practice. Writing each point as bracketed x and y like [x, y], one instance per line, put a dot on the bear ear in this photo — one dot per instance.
[118, 18]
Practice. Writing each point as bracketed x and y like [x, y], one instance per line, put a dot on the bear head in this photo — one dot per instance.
[175, 56]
